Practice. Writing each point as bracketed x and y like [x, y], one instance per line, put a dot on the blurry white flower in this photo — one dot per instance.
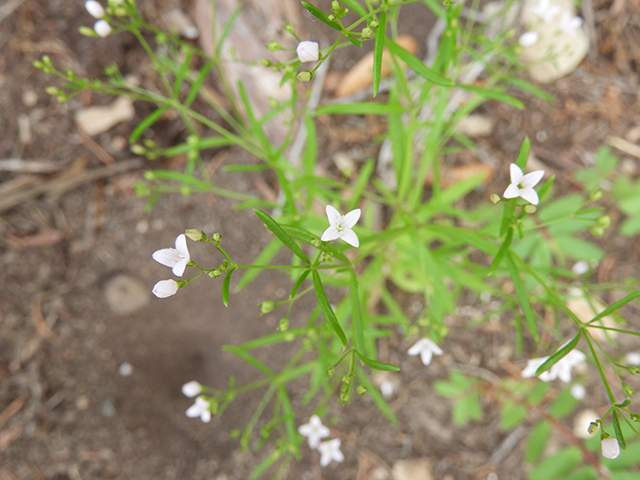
[125, 369]
[314, 431]
[340, 226]
[330, 451]
[175, 258]
[522, 185]
[94, 8]
[386, 389]
[561, 370]
[102, 28]
[426, 348]
[307, 51]
[200, 409]
[544, 10]
[191, 389]
[610, 448]
[165, 288]
[632, 358]
[569, 24]
[578, 391]
[581, 267]
[529, 38]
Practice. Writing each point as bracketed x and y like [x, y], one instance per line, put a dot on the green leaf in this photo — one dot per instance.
[502, 252]
[362, 108]
[521, 293]
[537, 440]
[354, 40]
[559, 355]
[511, 415]
[494, 95]
[227, 29]
[416, 64]
[557, 465]
[298, 283]
[546, 187]
[184, 68]
[377, 52]
[329, 316]
[523, 155]
[195, 87]
[530, 88]
[618, 430]
[389, 367]
[320, 15]
[282, 236]
[250, 359]
[355, 6]
[612, 308]
[146, 123]
[579, 249]
[467, 408]
[225, 287]
[564, 404]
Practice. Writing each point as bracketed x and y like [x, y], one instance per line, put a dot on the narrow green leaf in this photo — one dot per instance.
[545, 188]
[250, 359]
[389, 367]
[523, 155]
[530, 88]
[184, 68]
[227, 29]
[521, 293]
[559, 355]
[363, 180]
[195, 87]
[299, 283]
[146, 123]
[537, 441]
[355, 6]
[612, 308]
[353, 39]
[282, 236]
[225, 287]
[377, 52]
[206, 142]
[501, 253]
[255, 124]
[494, 95]
[618, 430]
[416, 64]
[362, 108]
[323, 301]
[320, 15]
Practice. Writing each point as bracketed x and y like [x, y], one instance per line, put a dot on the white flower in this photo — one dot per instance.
[340, 226]
[561, 370]
[165, 288]
[426, 348]
[529, 38]
[569, 24]
[610, 448]
[102, 28]
[633, 358]
[307, 51]
[175, 258]
[200, 409]
[330, 451]
[191, 389]
[314, 430]
[522, 185]
[581, 267]
[545, 11]
[94, 8]
[578, 391]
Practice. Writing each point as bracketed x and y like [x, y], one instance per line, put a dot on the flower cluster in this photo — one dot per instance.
[315, 431]
[175, 258]
[561, 370]
[547, 13]
[202, 406]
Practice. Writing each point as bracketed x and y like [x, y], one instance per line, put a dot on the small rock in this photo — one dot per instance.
[82, 402]
[126, 295]
[99, 119]
[29, 98]
[125, 369]
[415, 469]
[475, 125]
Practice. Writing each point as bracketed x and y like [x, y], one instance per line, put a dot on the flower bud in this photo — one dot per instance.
[216, 237]
[283, 326]
[373, 24]
[307, 52]
[266, 63]
[138, 149]
[362, 390]
[102, 28]
[196, 235]
[288, 27]
[628, 391]
[345, 379]
[87, 32]
[335, 6]
[274, 46]
[530, 209]
[597, 195]
[593, 428]
[331, 371]
[366, 33]
[94, 8]
[495, 198]
[266, 307]
[215, 273]
[597, 231]
[289, 337]
[635, 417]
[305, 76]
[604, 221]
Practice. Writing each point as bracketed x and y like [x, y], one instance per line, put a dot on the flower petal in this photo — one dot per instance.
[350, 237]
[181, 246]
[168, 257]
[333, 215]
[532, 367]
[530, 180]
[610, 448]
[194, 411]
[351, 218]
[307, 51]
[426, 356]
[102, 28]
[512, 191]
[205, 416]
[516, 173]
[178, 268]
[330, 233]
[530, 195]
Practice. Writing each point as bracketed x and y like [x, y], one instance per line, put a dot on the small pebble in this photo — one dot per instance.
[125, 369]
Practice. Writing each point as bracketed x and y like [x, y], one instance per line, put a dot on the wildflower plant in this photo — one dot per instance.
[428, 244]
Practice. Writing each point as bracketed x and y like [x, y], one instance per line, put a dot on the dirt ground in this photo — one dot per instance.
[91, 364]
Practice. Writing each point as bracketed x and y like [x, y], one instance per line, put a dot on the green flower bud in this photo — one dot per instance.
[266, 63]
[366, 33]
[216, 237]
[593, 428]
[289, 337]
[331, 18]
[215, 273]
[185, 190]
[604, 221]
[195, 235]
[288, 27]
[362, 390]
[335, 6]
[628, 391]
[274, 46]
[331, 371]
[530, 209]
[597, 195]
[305, 76]
[266, 307]
[495, 198]
[52, 90]
[345, 379]
[283, 326]
[316, 243]
[87, 32]
[635, 416]
[373, 24]
[138, 150]
[597, 231]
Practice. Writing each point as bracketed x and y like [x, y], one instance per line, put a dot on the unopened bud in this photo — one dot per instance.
[215, 273]
[283, 326]
[604, 221]
[530, 209]
[628, 391]
[331, 18]
[366, 33]
[195, 235]
[335, 6]
[593, 428]
[331, 371]
[138, 149]
[495, 198]
[288, 27]
[597, 195]
[305, 76]
[266, 63]
[597, 231]
[362, 390]
[87, 32]
[373, 24]
[266, 306]
[216, 237]
[274, 46]
[345, 379]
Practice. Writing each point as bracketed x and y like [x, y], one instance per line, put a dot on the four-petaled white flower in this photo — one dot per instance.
[340, 226]
[330, 451]
[522, 185]
[191, 389]
[527, 39]
[610, 448]
[102, 28]
[544, 10]
[94, 8]
[569, 24]
[200, 409]
[314, 431]
[426, 348]
[175, 258]
[307, 51]
[165, 288]
[561, 370]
